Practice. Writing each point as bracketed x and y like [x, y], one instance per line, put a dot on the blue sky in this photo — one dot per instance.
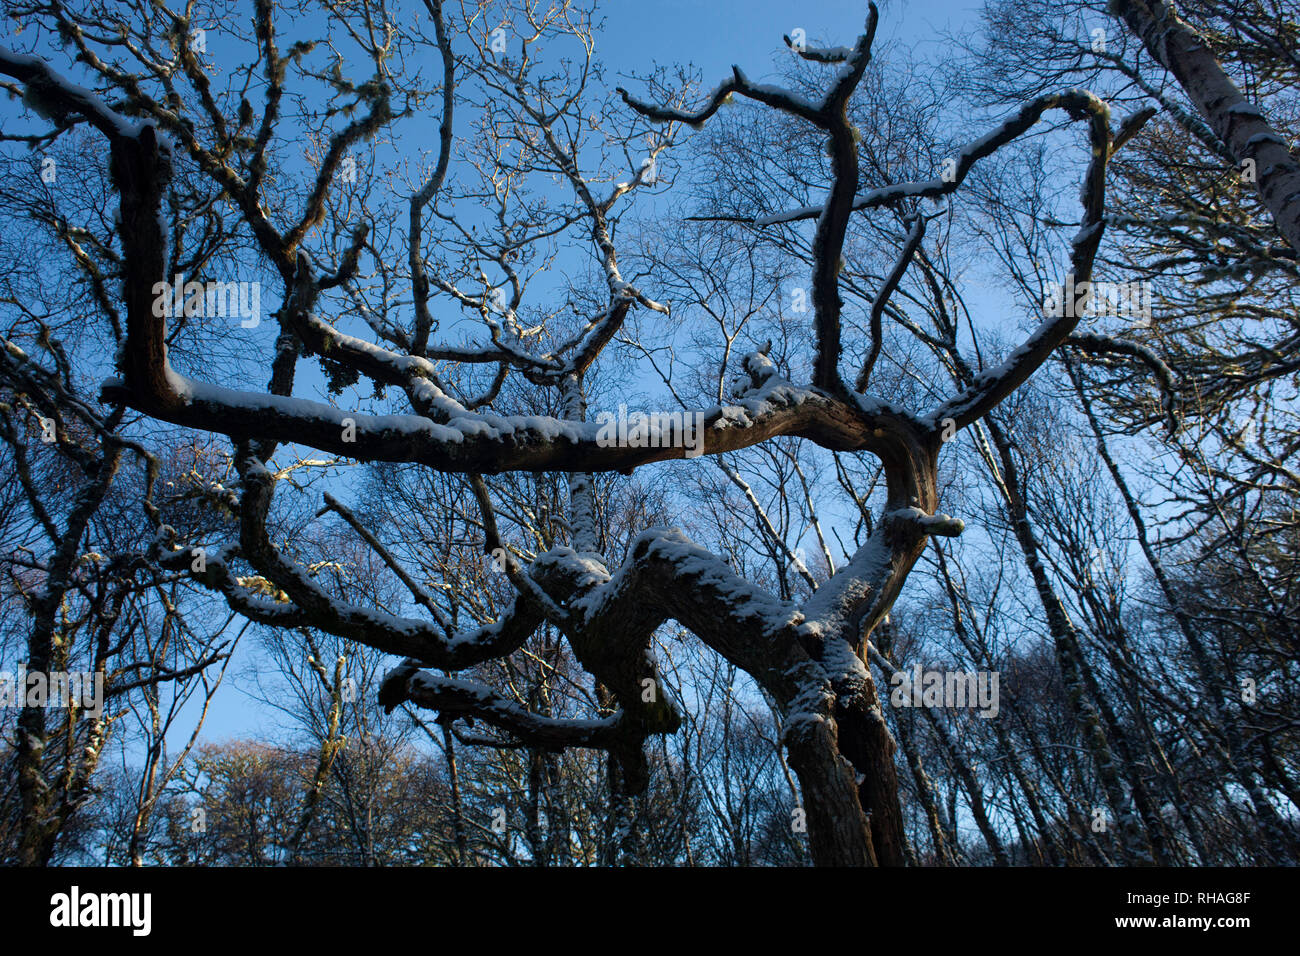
[717, 33]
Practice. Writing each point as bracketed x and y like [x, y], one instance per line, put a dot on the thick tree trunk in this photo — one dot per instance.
[1235, 120]
[839, 832]
[845, 612]
[864, 738]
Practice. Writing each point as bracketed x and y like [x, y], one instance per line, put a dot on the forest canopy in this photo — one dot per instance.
[855, 458]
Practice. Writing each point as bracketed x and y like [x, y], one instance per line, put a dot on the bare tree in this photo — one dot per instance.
[809, 658]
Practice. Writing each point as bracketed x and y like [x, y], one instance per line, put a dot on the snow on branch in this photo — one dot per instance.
[783, 100]
[56, 98]
[854, 63]
[455, 698]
